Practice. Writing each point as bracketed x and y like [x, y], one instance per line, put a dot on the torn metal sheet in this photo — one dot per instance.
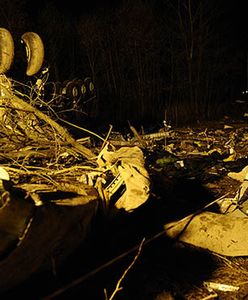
[223, 234]
[240, 176]
[127, 166]
[220, 287]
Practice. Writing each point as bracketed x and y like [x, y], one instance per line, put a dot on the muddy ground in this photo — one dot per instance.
[188, 168]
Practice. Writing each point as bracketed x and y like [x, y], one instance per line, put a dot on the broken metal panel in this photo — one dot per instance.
[223, 234]
[127, 165]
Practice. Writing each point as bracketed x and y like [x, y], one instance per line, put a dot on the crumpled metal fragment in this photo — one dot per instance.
[127, 164]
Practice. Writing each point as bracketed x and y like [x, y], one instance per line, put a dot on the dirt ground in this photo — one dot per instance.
[188, 168]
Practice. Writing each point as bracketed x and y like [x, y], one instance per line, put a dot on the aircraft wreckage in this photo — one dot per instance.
[51, 184]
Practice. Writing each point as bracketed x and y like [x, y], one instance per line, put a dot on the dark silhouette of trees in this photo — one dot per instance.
[153, 62]
[59, 38]
[150, 60]
[14, 17]
[123, 55]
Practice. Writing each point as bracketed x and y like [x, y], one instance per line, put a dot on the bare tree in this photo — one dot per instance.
[13, 15]
[123, 58]
[196, 59]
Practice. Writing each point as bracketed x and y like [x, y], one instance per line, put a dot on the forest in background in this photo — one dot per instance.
[179, 61]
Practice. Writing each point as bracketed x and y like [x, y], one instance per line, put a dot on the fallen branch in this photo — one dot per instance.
[118, 285]
[10, 100]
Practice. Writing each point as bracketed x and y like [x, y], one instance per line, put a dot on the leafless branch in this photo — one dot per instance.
[118, 286]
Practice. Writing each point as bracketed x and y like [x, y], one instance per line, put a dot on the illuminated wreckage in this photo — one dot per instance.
[51, 185]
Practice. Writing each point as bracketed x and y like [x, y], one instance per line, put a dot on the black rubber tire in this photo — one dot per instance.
[53, 92]
[6, 50]
[63, 85]
[90, 87]
[81, 88]
[72, 91]
[35, 52]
